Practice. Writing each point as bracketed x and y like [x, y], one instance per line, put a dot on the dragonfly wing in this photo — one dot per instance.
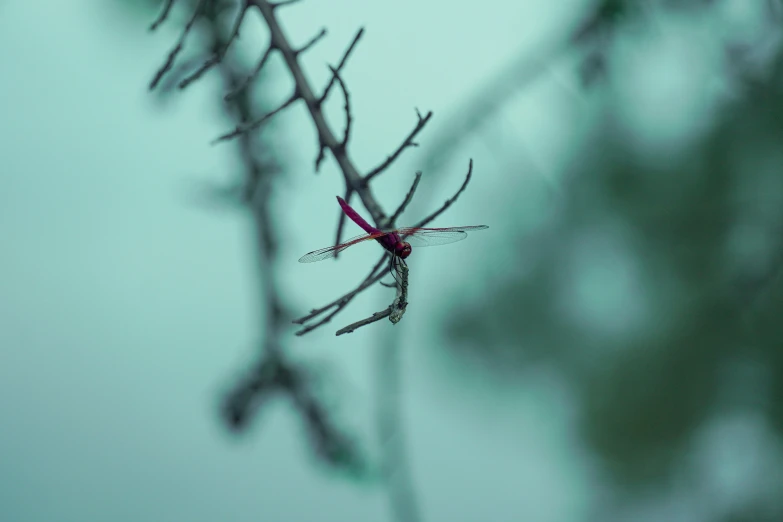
[330, 252]
[421, 237]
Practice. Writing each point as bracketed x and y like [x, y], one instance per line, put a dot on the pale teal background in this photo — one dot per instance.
[127, 307]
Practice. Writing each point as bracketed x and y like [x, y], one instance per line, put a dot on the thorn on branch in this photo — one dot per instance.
[163, 15]
[408, 142]
[344, 144]
[177, 48]
[242, 86]
[406, 201]
[340, 65]
[218, 56]
[243, 129]
[311, 43]
[449, 201]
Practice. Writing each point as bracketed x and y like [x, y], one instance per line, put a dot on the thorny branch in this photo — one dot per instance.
[274, 373]
[355, 182]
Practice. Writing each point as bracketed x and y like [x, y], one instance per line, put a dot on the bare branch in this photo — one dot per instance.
[312, 42]
[233, 93]
[347, 133]
[377, 316]
[408, 142]
[340, 65]
[326, 137]
[177, 48]
[406, 201]
[321, 144]
[239, 130]
[163, 15]
[449, 201]
[275, 374]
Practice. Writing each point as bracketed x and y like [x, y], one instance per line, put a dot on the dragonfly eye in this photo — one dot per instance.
[403, 249]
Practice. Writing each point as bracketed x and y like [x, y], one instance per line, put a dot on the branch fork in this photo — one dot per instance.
[355, 182]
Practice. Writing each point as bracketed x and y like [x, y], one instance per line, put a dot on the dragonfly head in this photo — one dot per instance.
[402, 249]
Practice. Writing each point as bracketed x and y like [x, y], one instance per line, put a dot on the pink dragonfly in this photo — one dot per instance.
[397, 241]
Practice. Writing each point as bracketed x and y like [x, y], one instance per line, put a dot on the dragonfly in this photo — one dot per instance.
[397, 242]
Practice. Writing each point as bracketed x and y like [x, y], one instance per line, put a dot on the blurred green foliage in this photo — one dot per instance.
[694, 242]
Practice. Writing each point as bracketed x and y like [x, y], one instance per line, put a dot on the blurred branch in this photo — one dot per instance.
[593, 34]
[391, 433]
[273, 373]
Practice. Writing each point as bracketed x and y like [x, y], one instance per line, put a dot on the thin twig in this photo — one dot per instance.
[321, 144]
[406, 201]
[375, 317]
[163, 15]
[408, 142]
[347, 133]
[312, 42]
[340, 65]
[177, 48]
[240, 130]
[449, 201]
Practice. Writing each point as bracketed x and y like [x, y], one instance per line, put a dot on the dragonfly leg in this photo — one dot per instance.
[395, 260]
[396, 263]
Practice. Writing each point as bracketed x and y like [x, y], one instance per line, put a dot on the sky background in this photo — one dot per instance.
[128, 306]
